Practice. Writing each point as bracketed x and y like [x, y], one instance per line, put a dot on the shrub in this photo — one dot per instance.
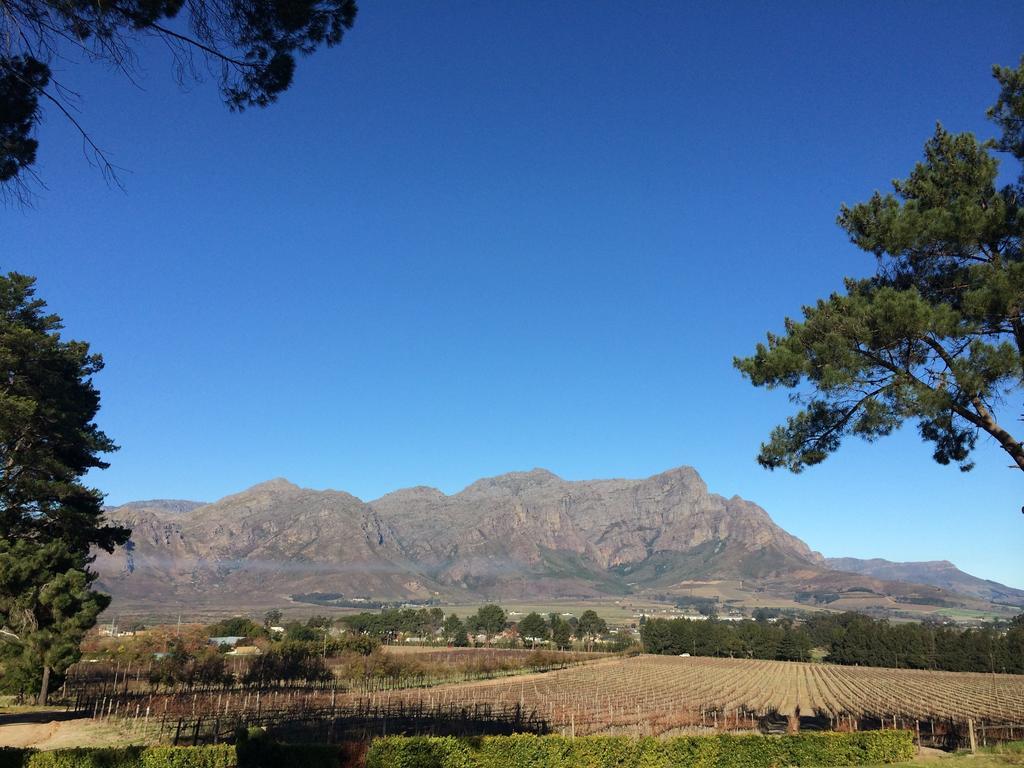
[217, 756]
[255, 750]
[14, 757]
[718, 751]
[95, 757]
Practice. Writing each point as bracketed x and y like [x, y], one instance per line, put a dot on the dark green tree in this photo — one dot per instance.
[251, 47]
[287, 662]
[489, 619]
[454, 631]
[46, 607]
[794, 646]
[1015, 645]
[533, 628]
[49, 520]
[591, 626]
[236, 626]
[298, 632]
[561, 632]
[936, 336]
[433, 619]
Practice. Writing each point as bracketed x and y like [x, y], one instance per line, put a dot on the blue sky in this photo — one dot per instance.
[481, 237]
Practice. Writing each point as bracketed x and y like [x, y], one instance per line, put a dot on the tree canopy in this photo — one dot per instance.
[533, 628]
[936, 336]
[250, 47]
[846, 638]
[561, 632]
[49, 520]
[591, 625]
[489, 619]
[455, 631]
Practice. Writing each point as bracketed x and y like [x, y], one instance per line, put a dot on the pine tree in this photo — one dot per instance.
[936, 336]
[253, 45]
[49, 520]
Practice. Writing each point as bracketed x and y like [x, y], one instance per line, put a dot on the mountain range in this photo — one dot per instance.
[522, 535]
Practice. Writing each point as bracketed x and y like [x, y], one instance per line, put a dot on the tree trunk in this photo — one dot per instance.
[1006, 441]
[44, 689]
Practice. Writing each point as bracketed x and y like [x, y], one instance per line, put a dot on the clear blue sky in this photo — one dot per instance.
[481, 237]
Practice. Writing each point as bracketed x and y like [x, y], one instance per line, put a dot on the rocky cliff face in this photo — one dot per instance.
[524, 533]
[517, 522]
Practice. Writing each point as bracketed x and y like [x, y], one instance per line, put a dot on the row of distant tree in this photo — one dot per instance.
[489, 621]
[427, 624]
[847, 638]
[298, 650]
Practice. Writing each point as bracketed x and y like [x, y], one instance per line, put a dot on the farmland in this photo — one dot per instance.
[666, 692]
[644, 695]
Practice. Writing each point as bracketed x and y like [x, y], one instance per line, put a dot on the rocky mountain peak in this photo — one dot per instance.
[512, 482]
[417, 492]
[175, 506]
[527, 534]
[276, 485]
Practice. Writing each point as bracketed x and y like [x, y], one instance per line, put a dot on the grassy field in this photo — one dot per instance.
[993, 757]
[42, 732]
[960, 614]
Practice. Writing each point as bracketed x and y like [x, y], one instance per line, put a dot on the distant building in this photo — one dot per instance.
[115, 632]
[244, 650]
[229, 640]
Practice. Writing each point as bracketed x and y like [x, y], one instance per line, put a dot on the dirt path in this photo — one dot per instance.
[28, 734]
[56, 734]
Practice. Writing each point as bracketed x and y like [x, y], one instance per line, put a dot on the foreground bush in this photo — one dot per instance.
[718, 751]
[250, 754]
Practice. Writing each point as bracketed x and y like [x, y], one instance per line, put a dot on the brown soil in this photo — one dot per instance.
[56, 734]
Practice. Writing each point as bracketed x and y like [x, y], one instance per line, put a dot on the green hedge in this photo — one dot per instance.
[95, 757]
[263, 753]
[718, 751]
[13, 757]
[255, 753]
[216, 756]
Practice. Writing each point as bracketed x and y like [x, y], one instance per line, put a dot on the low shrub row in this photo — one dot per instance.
[717, 751]
[255, 753]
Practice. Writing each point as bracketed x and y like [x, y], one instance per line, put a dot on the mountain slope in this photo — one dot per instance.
[163, 505]
[515, 536]
[939, 573]
[257, 547]
[500, 533]
[519, 534]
